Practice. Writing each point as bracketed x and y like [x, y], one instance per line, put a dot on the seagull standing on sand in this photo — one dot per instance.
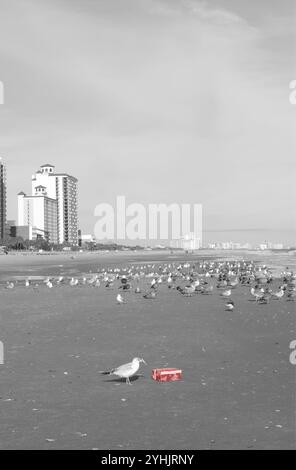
[257, 294]
[278, 295]
[120, 299]
[60, 280]
[126, 370]
[226, 293]
[153, 282]
[229, 306]
[73, 282]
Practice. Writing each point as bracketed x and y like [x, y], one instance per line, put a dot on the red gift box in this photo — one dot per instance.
[166, 374]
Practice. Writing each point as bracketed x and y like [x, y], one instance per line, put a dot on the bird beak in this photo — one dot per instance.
[144, 362]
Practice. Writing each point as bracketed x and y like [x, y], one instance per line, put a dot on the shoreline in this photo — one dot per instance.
[29, 264]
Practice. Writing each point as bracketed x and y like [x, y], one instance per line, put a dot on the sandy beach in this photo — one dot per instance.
[237, 390]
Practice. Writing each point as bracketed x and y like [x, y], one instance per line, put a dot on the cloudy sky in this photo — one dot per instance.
[162, 101]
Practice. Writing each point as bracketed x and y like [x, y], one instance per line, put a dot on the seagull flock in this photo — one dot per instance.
[188, 279]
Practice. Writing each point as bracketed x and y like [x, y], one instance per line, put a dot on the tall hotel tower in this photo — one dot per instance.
[2, 198]
[61, 188]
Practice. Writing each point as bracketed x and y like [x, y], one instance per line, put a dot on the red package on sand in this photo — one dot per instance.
[167, 374]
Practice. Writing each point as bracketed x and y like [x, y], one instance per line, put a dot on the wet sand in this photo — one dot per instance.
[237, 391]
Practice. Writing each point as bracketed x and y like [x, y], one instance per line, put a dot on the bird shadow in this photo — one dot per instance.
[122, 380]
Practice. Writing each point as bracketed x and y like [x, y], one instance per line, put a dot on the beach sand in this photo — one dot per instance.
[238, 386]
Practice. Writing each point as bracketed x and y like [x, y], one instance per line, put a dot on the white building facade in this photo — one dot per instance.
[39, 213]
[53, 206]
[63, 188]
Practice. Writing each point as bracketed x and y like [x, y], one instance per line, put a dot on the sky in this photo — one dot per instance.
[162, 101]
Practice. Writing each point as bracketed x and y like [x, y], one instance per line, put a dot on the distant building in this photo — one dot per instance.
[79, 237]
[28, 232]
[188, 242]
[2, 198]
[229, 246]
[62, 188]
[278, 246]
[85, 239]
[8, 228]
[275, 246]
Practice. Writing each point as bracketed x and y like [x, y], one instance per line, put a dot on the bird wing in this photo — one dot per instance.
[123, 366]
[124, 369]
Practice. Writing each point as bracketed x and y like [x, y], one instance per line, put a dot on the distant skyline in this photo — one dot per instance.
[162, 101]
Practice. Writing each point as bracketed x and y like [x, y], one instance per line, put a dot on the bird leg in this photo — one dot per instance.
[128, 381]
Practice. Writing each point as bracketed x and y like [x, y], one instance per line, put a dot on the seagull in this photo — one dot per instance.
[150, 295]
[92, 281]
[229, 306]
[257, 294]
[153, 282]
[233, 283]
[291, 295]
[188, 290]
[126, 370]
[125, 286]
[279, 294]
[73, 282]
[265, 298]
[27, 283]
[226, 293]
[10, 285]
[60, 280]
[120, 299]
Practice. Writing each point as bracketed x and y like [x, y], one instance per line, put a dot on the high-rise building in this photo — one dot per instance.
[63, 188]
[39, 213]
[2, 199]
